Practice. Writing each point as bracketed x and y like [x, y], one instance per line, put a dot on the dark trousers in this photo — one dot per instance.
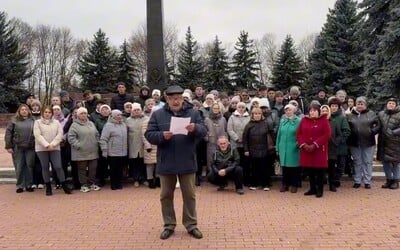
[316, 178]
[75, 175]
[291, 176]
[260, 175]
[37, 172]
[117, 164]
[236, 175]
[102, 171]
[336, 169]
[201, 157]
[137, 169]
[244, 163]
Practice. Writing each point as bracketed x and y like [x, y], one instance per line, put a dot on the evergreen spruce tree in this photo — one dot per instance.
[244, 63]
[98, 67]
[381, 52]
[13, 67]
[335, 61]
[288, 69]
[217, 68]
[190, 65]
[127, 70]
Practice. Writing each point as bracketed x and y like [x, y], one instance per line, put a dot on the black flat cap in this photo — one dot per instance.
[174, 89]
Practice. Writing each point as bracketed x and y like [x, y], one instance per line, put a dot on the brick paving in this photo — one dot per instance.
[131, 219]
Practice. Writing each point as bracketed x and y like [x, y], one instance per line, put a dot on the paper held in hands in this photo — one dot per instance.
[178, 125]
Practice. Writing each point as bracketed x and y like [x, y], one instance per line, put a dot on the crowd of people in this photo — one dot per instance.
[247, 138]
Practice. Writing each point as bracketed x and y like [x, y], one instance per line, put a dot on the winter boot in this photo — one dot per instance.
[152, 183]
[65, 187]
[158, 183]
[394, 184]
[388, 183]
[48, 189]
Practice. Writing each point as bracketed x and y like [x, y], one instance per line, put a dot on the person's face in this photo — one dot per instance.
[209, 101]
[89, 97]
[118, 117]
[47, 114]
[334, 108]
[199, 91]
[278, 99]
[128, 109]
[314, 113]
[255, 104]
[56, 111]
[75, 114]
[241, 109]
[324, 111]
[55, 101]
[234, 104]
[360, 106]
[341, 97]
[23, 111]
[29, 100]
[156, 97]
[263, 93]
[105, 112]
[350, 103]
[271, 94]
[225, 101]
[391, 105]
[121, 89]
[321, 95]
[83, 116]
[294, 95]
[223, 144]
[136, 112]
[264, 109]
[149, 106]
[35, 108]
[79, 104]
[257, 115]
[289, 112]
[196, 106]
[215, 109]
[245, 96]
[175, 102]
[65, 98]
[145, 92]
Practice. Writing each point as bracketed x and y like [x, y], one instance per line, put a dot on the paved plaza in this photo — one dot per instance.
[131, 219]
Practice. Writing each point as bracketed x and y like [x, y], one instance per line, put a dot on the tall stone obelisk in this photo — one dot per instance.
[156, 70]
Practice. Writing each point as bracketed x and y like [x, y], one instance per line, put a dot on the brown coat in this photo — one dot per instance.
[149, 157]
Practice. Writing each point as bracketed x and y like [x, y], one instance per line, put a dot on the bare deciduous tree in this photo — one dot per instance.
[306, 45]
[267, 49]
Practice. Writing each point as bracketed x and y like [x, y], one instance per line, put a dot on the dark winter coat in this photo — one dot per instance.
[177, 155]
[19, 133]
[316, 132]
[389, 136]
[118, 101]
[227, 160]
[364, 126]
[255, 139]
[340, 131]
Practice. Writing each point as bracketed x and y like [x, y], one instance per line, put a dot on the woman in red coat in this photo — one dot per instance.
[313, 135]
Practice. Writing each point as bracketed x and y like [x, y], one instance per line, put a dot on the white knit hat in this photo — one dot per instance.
[81, 110]
[116, 112]
[156, 92]
[136, 105]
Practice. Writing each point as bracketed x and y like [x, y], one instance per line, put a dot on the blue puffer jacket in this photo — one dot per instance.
[177, 155]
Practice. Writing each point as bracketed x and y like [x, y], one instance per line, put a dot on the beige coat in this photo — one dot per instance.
[47, 132]
[135, 136]
[149, 157]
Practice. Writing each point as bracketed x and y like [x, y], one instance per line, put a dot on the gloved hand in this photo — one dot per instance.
[104, 154]
[148, 150]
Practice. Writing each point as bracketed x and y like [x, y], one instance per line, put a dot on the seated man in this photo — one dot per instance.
[225, 165]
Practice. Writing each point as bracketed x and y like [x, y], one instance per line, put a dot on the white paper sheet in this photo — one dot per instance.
[178, 125]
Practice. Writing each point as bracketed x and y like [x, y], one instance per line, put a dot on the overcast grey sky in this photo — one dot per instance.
[207, 18]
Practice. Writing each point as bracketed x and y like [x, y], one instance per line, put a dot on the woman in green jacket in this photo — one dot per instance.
[288, 150]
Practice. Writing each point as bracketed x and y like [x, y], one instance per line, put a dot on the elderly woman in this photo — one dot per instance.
[313, 135]
[255, 142]
[114, 147]
[389, 143]
[83, 137]
[148, 107]
[364, 125]
[48, 136]
[236, 124]
[135, 144]
[216, 126]
[288, 150]
[20, 143]
[206, 109]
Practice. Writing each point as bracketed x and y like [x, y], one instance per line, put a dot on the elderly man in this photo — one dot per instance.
[225, 166]
[176, 159]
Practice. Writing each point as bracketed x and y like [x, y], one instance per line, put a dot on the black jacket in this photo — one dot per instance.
[364, 126]
[118, 101]
[227, 160]
[389, 136]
